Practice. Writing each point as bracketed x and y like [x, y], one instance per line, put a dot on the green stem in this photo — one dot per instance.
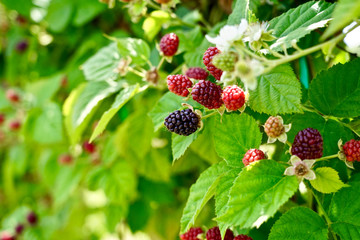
[177, 69]
[288, 143]
[327, 157]
[209, 115]
[160, 63]
[136, 72]
[153, 5]
[327, 219]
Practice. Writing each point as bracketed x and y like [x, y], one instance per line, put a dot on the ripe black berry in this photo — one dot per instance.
[308, 144]
[207, 59]
[197, 73]
[192, 234]
[182, 122]
[207, 94]
[169, 44]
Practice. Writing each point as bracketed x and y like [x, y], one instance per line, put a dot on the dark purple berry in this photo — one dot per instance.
[32, 218]
[182, 122]
[308, 144]
[22, 46]
[197, 73]
[207, 94]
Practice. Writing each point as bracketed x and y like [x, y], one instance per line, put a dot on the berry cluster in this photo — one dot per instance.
[308, 144]
[211, 234]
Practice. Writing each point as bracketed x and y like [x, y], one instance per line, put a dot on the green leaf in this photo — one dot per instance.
[258, 192]
[345, 212]
[121, 99]
[47, 128]
[59, 14]
[300, 21]
[200, 193]
[222, 195]
[327, 180]
[137, 49]
[278, 92]
[336, 92]
[240, 11]
[179, 144]
[119, 182]
[299, 223]
[153, 24]
[345, 12]
[100, 67]
[44, 90]
[167, 104]
[234, 134]
[86, 11]
[89, 98]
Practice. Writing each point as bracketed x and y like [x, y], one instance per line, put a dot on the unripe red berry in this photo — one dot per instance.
[89, 147]
[32, 218]
[197, 73]
[233, 97]
[7, 236]
[207, 59]
[242, 237]
[352, 150]
[253, 155]
[169, 44]
[15, 125]
[12, 96]
[2, 118]
[65, 159]
[179, 84]
[192, 234]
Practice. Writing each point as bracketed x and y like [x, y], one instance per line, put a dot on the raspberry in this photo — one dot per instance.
[19, 229]
[352, 150]
[169, 44]
[197, 73]
[89, 147]
[65, 159]
[224, 61]
[308, 144]
[233, 97]
[2, 118]
[15, 125]
[12, 96]
[214, 234]
[253, 155]
[192, 234]
[182, 122]
[274, 127]
[179, 84]
[208, 56]
[207, 94]
[242, 237]
[32, 218]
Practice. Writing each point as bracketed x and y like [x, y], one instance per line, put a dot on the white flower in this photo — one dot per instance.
[228, 35]
[255, 31]
[247, 71]
[301, 168]
[352, 39]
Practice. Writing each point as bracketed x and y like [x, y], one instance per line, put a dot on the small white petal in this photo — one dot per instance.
[290, 171]
[295, 160]
[349, 164]
[340, 143]
[250, 83]
[310, 175]
[287, 127]
[281, 120]
[309, 163]
[271, 140]
[283, 138]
